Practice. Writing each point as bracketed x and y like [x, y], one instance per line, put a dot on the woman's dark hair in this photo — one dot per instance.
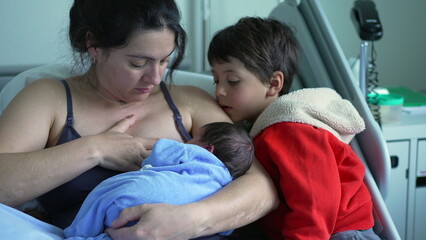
[262, 45]
[112, 22]
[232, 145]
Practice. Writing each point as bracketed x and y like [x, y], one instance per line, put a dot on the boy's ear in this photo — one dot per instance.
[275, 84]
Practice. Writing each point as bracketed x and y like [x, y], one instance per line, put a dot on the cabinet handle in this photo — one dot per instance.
[421, 182]
[394, 161]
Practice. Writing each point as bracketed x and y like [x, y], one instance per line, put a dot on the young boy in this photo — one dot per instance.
[174, 173]
[301, 138]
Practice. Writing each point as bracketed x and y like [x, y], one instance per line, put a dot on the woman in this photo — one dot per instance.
[59, 139]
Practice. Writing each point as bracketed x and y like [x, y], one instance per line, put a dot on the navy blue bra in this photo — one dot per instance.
[62, 203]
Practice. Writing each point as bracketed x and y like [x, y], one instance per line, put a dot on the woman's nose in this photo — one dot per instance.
[154, 74]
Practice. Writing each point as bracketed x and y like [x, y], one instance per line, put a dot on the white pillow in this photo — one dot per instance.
[62, 71]
[14, 86]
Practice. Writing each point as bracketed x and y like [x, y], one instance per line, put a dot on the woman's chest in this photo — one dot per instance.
[154, 120]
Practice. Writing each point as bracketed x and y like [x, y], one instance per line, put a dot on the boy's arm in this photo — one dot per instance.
[308, 178]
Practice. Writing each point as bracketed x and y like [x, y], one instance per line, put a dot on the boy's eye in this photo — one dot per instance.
[215, 79]
[233, 82]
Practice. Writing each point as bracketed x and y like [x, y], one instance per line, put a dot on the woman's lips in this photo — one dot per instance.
[144, 90]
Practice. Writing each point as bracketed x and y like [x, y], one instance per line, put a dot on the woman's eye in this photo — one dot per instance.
[165, 61]
[139, 64]
[135, 65]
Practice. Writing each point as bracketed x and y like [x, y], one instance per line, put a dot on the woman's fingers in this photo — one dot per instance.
[123, 125]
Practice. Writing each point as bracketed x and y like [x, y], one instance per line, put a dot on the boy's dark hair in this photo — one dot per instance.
[263, 45]
[232, 145]
[112, 23]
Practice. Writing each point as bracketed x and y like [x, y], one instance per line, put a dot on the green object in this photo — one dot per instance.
[386, 99]
[411, 98]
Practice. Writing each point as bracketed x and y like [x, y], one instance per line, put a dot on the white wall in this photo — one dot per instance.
[33, 32]
[401, 51]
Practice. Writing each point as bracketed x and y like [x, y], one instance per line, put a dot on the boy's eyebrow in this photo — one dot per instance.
[230, 71]
[226, 71]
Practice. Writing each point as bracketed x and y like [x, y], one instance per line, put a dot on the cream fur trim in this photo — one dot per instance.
[319, 107]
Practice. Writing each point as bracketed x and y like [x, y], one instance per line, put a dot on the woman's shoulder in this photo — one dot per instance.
[185, 90]
[187, 94]
[42, 89]
[45, 83]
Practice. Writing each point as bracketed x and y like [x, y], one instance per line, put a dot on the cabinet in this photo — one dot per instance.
[406, 142]
[396, 200]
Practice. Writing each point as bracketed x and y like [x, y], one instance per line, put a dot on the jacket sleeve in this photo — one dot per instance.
[308, 177]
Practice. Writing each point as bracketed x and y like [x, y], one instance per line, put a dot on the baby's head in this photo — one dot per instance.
[263, 45]
[231, 144]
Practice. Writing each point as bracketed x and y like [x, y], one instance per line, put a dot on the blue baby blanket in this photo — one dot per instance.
[174, 173]
[16, 225]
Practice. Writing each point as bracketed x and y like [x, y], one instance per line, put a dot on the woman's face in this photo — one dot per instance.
[239, 92]
[129, 74]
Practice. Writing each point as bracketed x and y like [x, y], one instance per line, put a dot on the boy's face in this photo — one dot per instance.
[239, 92]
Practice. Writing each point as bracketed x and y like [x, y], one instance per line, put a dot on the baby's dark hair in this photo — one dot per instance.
[232, 145]
[263, 45]
[112, 23]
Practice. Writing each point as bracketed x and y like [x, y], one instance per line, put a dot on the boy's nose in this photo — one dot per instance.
[220, 91]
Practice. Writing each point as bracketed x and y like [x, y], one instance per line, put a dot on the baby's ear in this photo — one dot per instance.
[275, 84]
[209, 148]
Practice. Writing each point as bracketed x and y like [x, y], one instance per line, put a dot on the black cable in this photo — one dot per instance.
[373, 83]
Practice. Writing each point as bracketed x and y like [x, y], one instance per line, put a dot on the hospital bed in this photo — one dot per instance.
[322, 64]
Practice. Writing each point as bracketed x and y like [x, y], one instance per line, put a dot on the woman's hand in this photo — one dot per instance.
[120, 151]
[152, 225]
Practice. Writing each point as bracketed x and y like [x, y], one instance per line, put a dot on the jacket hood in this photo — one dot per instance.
[320, 107]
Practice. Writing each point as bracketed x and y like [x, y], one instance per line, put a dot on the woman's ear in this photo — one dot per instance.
[275, 84]
[91, 45]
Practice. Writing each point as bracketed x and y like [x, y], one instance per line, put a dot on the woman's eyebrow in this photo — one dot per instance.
[139, 56]
[146, 56]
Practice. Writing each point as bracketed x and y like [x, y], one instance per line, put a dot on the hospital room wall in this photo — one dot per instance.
[34, 32]
[401, 52]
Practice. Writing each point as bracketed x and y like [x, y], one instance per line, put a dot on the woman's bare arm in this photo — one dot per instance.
[243, 201]
[28, 169]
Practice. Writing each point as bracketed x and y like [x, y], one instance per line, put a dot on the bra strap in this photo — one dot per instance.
[70, 114]
[177, 116]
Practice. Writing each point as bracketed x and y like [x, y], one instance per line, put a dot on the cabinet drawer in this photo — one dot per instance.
[396, 200]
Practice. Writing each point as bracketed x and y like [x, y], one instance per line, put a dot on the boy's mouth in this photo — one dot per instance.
[226, 108]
